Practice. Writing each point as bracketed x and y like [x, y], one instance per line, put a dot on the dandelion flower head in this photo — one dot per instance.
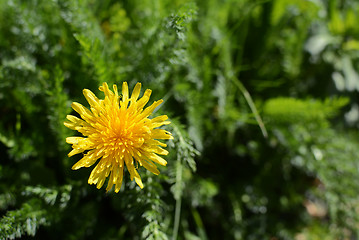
[118, 131]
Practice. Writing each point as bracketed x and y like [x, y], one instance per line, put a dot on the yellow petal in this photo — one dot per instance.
[156, 158]
[115, 90]
[104, 88]
[102, 177]
[148, 165]
[88, 160]
[76, 122]
[155, 142]
[98, 173]
[133, 173]
[91, 99]
[124, 91]
[161, 134]
[159, 119]
[74, 140]
[139, 181]
[151, 108]
[71, 125]
[136, 92]
[154, 149]
[74, 119]
[115, 178]
[110, 181]
[142, 102]
[118, 182]
[93, 176]
[84, 112]
[75, 151]
[159, 124]
[146, 112]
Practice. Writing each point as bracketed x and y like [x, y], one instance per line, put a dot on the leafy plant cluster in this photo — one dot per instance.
[262, 96]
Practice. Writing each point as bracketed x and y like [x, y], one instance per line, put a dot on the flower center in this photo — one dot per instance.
[121, 142]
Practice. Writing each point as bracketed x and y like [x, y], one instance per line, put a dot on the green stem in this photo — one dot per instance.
[250, 102]
[177, 218]
[178, 201]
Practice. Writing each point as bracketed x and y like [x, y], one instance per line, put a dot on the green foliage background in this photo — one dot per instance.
[262, 95]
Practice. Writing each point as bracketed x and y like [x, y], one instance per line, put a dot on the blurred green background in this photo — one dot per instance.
[262, 95]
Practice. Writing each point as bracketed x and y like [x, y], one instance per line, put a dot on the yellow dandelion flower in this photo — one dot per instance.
[117, 131]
